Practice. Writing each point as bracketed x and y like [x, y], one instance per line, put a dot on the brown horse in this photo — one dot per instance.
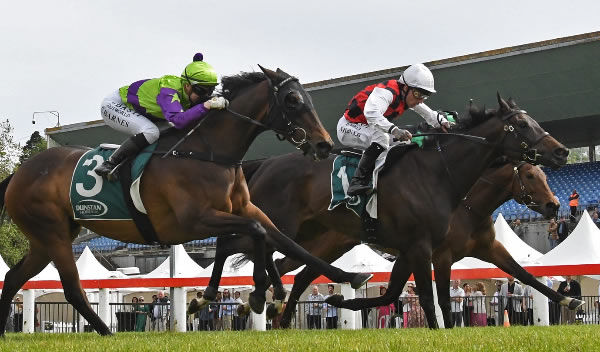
[186, 196]
[417, 194]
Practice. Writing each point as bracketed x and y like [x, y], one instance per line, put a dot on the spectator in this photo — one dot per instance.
[205, 315]
[595, 219]
[563, 230]
[553, 307]
[141, 314]
[331, 313]
[528, 305]
[18, 315]
[416, 316]
[384, 313]
[573, 204]
[569, 288]
[406, 302]
[227, 309]
[495, 303]
[468, 305]
[553, 233]
[511, 293]
[160, 312]
[239, 322]
[314, 308]
[519, 229]
[478, 303]
[216, 312]
[457, 295]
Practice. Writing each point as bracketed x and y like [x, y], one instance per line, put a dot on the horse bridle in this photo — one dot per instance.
[528, 154]
[290, 128]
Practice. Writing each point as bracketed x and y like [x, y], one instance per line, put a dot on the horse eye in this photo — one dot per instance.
[522, 123]
[293, 100]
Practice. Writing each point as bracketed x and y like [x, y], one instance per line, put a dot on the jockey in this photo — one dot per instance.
[180, 100]
[366, 122]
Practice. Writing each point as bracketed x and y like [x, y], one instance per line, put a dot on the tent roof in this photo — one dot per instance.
[582, 246]
[89, 267]
[185, 266]
[518, 249]
[48, 274]
[3, 267]
[362, 259]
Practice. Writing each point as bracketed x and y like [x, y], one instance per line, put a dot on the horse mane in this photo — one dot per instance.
[233, 85]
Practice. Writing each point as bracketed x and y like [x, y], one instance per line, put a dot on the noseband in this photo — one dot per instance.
[528, 154]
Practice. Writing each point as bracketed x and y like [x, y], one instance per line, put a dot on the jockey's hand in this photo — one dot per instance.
[400, 134]
[447, 125]
[216, 103]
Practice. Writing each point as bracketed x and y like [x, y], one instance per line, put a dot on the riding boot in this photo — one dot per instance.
[362, 175]
[129, 148]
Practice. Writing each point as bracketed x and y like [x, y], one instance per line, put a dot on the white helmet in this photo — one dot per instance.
[418, 76]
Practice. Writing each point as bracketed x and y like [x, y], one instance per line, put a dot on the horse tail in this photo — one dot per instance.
[249, 167]
[3, 187]
[239, 260]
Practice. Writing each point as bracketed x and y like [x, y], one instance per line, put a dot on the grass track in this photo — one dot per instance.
[555, 338]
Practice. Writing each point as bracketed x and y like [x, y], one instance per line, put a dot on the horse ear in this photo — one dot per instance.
[271, 76]
[504, 107]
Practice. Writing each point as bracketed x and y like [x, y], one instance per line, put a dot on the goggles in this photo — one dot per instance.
[420, 94]
[203, 91]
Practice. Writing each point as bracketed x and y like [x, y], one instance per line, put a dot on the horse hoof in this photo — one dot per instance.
[257, 304]
[360, 279]
[284, 324]
[575, 303]
[335, 300]
[243, 309]
[209, 294]
[193, 307]
[271, 311]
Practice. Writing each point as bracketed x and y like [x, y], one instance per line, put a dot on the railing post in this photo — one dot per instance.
[29, 311]
[348, 318]
[103, 305]
[178, 322]
[259, 321]
[540, 306]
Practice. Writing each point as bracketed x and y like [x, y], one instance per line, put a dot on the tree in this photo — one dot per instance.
[8, 150]
[13, 244]
[34, 145]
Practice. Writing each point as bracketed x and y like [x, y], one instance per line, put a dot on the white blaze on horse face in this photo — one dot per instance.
[98, 179]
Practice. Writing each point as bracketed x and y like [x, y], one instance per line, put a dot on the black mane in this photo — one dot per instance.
[233, 85]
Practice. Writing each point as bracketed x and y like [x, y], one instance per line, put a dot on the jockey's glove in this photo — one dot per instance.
[400, 134]
[217, 103]
[446, 119]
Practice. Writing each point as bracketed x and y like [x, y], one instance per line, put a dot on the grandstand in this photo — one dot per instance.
[584, 177]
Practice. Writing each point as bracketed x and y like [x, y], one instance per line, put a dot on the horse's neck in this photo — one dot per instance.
[491, 191]
[465, 161]
[230, 135]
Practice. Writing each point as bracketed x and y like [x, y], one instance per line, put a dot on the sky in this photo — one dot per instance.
[66, 56]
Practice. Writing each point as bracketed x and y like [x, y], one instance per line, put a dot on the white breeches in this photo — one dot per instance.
[360, 136]
[118, 116]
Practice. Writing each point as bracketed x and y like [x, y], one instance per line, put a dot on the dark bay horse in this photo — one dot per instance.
[186, 197]
[416, 195]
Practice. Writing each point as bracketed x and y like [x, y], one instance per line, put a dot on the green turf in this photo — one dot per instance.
[555, 338]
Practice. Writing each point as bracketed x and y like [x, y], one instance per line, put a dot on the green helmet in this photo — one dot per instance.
[199, 72]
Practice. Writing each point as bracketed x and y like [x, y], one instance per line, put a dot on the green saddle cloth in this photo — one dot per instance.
[93, 197]
[341, 174]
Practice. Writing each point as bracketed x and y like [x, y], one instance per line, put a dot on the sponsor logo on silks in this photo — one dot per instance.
[91, 207]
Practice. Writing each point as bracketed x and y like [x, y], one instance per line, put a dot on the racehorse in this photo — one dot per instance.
[417, 194]
[198, 191]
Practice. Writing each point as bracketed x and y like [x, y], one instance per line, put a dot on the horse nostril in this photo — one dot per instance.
[561, 152]
[324, 148]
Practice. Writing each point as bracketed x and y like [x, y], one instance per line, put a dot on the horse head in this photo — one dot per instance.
[523, 139]
[297, 120]
[529, 187]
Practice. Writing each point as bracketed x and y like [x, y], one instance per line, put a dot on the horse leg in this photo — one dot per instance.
[499, 256]
[398, 278]
[279, 293]
[62, 256]
[442, 263]
[30, 265]
[421, 260]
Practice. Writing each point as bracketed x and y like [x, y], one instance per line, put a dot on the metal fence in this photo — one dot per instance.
[60, 317]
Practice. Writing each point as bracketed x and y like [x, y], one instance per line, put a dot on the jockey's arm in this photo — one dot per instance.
[172, 110]
[428, 115]
[375, 106]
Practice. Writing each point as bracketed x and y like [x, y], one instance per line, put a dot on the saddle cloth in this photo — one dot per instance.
[93, 197]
